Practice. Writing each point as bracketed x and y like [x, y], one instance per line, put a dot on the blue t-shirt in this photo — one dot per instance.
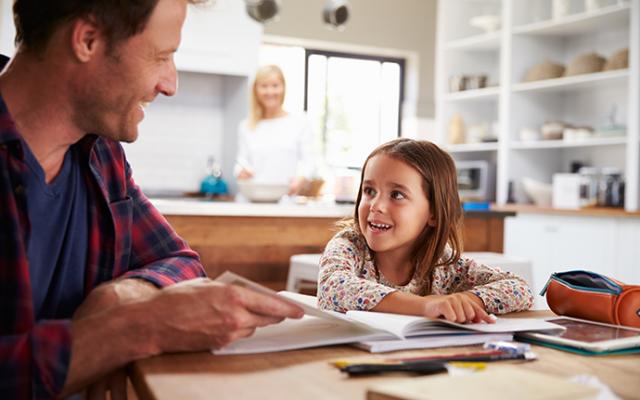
[58, 238]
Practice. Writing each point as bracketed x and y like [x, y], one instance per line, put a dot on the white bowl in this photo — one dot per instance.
[539, 192]
[259, 192]
[488, 23]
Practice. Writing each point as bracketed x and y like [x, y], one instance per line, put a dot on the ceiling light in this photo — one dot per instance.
[262, 10]
[336, 13]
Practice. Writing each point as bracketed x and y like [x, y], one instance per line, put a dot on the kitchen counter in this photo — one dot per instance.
[203, 207]
[586, 212]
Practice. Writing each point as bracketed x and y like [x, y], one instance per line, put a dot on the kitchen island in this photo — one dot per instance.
[257, 240]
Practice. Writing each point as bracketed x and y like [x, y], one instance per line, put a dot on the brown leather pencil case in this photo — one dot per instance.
[588, 295]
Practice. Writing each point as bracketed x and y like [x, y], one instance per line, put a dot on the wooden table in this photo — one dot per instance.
[307, 374]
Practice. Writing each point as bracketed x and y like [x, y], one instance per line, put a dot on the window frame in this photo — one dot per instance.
[308, 52]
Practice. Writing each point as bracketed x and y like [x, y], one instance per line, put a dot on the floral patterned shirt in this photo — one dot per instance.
[349, 280]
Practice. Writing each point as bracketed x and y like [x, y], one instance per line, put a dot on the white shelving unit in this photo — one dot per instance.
[472, 147]
[528, 35]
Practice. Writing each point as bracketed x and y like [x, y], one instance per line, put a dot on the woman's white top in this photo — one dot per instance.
[277, 150]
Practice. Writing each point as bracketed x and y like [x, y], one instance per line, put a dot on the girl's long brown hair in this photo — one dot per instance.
[439, 182]
[256, 111]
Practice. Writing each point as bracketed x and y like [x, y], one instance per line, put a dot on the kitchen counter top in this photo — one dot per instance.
[313, 209]
[199, 207]
[583, 212]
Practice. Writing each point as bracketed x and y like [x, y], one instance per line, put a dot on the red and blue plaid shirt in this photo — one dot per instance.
[127, 238]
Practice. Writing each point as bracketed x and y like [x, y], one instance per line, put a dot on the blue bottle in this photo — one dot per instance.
[213, 185]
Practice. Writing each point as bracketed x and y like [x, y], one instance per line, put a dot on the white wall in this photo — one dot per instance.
[7, 30]
[178, 134]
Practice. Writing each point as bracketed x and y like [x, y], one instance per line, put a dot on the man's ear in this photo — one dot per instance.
[86, 38]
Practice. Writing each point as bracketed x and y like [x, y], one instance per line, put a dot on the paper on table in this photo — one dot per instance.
[504, 383]
[431, 341]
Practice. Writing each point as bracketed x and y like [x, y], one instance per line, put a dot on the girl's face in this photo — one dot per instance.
[270, 92]
[393, 208]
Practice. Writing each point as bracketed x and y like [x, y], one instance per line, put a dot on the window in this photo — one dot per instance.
[354, 101]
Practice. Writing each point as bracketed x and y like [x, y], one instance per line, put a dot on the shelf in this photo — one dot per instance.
[472, 147]
[485, 42]
[573, 82]
[576, 24]
[561, 144]
[488, 93]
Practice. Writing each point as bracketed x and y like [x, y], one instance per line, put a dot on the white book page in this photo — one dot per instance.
[308, 305]
[510, 325]
[408, 325]
[397, 324]
[298, 334]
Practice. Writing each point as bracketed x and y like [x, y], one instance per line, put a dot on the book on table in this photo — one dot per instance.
[373, 331]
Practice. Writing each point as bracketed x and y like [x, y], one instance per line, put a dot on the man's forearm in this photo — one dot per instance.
[107, 340]
[106, 331]
[114, 293]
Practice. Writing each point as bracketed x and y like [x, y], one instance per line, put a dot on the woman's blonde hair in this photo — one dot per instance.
[256, 112]
[439, 182]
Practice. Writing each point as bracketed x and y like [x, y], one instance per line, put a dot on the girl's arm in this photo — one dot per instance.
[458, 307]
[502, 292]
[344, 281]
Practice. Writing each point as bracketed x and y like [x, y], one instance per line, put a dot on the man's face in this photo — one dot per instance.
[129, 76]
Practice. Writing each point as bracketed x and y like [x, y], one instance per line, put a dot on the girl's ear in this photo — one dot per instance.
[432, 221]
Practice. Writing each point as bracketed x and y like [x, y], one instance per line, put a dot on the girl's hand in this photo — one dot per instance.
[458, 307]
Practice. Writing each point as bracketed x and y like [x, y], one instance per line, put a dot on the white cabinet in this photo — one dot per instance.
[219, 38]
[528, 35]
[626, 263]
[556, 243]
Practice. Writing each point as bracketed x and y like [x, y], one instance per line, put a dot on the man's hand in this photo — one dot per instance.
[202, 314]
[458, 307]
[139, 321]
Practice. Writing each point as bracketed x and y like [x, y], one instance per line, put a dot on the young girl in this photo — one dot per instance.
[401, 251]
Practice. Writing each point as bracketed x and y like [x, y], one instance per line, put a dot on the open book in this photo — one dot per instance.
[321, 327]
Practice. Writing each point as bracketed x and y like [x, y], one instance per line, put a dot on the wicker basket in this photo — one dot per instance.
[585, 64]
[544, 70]
[619, 60]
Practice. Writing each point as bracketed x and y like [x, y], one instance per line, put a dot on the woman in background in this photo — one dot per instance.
[274, 146]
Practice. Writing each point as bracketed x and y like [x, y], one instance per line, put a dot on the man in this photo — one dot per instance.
[87, 266]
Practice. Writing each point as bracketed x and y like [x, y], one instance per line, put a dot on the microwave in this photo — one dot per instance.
[476, 180]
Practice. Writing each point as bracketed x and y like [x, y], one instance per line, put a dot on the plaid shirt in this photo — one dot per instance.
[127, 238]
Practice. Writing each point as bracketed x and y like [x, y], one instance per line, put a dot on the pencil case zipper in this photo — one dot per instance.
[614, 288]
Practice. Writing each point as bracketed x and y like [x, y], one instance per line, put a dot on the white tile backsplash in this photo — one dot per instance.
[178, 134]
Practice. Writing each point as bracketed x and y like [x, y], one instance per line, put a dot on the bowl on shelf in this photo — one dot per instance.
[539, 192]
[488, 23]
[262, 192]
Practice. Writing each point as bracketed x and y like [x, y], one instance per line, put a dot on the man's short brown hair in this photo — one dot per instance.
[37, 20]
